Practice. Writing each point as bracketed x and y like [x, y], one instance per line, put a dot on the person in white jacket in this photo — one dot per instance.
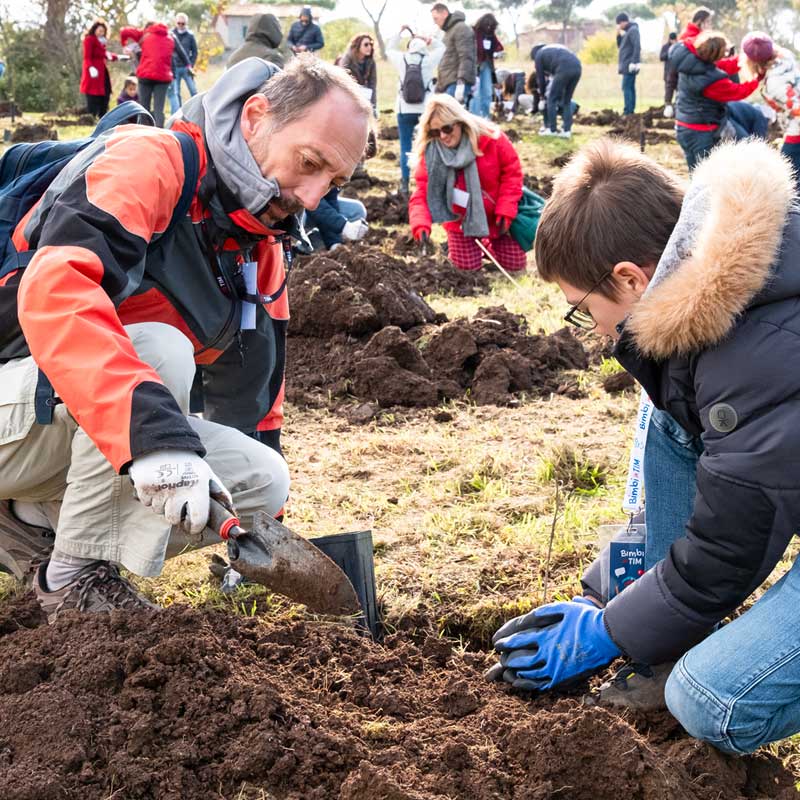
[425, 53]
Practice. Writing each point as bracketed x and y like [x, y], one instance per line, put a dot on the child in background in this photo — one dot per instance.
[130, 91]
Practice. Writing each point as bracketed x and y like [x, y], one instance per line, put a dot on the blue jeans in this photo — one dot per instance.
[629, 93]
[740, 688]
[696, 145]
[747, 120]
[181, 74]
[451, 90]
[559, 98]
[481, 102]
[351, 210]
[405, 129]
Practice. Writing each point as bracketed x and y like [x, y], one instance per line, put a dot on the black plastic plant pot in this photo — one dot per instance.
[353, 553]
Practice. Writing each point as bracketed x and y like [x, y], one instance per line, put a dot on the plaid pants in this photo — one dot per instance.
[465, 253]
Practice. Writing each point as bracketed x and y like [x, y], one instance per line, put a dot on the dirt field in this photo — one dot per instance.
[441, 411]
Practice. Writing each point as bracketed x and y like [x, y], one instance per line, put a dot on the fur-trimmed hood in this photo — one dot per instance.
[719, 258]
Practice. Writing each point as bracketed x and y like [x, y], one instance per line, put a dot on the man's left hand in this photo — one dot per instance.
[459, 93]
[553, 645]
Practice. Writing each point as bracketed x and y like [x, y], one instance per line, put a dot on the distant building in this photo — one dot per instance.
[232, 23]
[553, 33]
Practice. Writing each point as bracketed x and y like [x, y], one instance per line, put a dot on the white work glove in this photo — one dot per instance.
[542, 105]
[669, 112]
[353, 231]
[170, 481]
[460, 91]
[634, 68]
[93, 73]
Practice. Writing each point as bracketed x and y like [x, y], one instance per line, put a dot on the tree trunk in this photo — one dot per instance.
[376, 23]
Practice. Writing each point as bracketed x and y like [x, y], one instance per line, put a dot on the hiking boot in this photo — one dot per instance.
[636, 686]
[564, 134]
[22, 546]
[547, 132]
[97, 588]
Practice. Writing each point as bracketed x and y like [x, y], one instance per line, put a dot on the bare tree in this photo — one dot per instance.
[376, 24]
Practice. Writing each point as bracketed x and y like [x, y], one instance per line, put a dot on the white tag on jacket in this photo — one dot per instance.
[634, 488]
[460, 198]
[249, 273]
[487, 44]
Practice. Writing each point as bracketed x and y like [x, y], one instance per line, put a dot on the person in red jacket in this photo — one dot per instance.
[155, 65]
[468, 177]
[95, 80]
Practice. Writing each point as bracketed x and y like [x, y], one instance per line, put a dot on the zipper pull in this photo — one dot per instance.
[242, 348]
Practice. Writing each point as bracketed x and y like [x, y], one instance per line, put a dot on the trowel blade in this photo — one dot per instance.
[288, 564]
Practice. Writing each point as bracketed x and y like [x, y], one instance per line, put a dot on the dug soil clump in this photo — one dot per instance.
[359, 330]
[387, 209]
[201, 704]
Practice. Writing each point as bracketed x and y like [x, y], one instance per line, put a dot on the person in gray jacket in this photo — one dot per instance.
[264, 36]
[629, 59]
[458, 68]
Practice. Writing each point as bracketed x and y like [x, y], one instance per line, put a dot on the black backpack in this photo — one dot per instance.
[413, 86]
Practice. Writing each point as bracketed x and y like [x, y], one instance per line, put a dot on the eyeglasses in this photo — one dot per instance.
[580, 318]
[445, 130]
[180, 23]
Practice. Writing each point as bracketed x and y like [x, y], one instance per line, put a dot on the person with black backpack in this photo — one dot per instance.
[416, 65]
[109, 299]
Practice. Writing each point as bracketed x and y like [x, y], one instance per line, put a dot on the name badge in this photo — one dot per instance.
[460, 198]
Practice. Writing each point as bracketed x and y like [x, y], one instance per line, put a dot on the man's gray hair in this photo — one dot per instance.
[181, 17]
[305, 80]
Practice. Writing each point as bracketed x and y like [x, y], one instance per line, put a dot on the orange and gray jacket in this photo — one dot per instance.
[95, 271]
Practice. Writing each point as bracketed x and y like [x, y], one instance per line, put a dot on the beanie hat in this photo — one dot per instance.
[758, 47]
[622, 17]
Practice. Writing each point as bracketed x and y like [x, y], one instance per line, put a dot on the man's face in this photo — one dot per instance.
[307, 156]
[629, 281]
[304, 20]
[439, 17]
[621, 26]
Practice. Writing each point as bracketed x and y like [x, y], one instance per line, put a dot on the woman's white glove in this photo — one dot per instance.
[460, 90]
[177, 484]
[353, 231]
[542, 105]
[93, 73]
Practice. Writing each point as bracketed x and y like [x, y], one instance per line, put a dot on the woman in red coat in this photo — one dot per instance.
[155, 65]
[95, 80]
[469, 177]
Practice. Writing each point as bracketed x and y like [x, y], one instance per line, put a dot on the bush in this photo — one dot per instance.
[32, 80]
[600, 48]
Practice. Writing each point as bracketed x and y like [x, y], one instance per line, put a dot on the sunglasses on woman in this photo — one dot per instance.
[445, 130]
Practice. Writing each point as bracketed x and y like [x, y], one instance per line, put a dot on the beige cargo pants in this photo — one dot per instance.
[99, 516]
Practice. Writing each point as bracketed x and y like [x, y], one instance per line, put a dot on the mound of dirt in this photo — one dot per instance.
[388, 209]
[605, 117]
[362, 181]
[200, 704]
[541, 185]
[359, 329]
[32, 132]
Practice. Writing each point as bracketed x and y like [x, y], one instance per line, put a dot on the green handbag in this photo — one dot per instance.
[523, 228]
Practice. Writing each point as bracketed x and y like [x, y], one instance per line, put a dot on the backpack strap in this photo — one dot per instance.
[129, 111]
[45, 399]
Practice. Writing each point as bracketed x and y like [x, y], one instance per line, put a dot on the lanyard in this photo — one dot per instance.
[634, 488]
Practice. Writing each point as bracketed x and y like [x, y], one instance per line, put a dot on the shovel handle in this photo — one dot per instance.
[221, 520]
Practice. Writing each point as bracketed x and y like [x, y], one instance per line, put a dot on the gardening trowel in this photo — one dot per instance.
[274, 556]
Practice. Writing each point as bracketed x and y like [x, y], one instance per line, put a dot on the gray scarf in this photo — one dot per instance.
[442, 163]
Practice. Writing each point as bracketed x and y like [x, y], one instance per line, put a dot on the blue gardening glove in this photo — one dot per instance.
[553, 645]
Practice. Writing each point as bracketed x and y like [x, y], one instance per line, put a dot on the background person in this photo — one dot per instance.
[424, 53]
[184, 57]
[338, 219]
[704, 90]
[458, 66]
[130, 90]
[469, 177]
[629, 59]
[359, 61]
[702, 20]
[95, 80]
[155, 65]
[305, 35]
[670, 74]
[558, 71]
[487, 45]
[263, 40]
